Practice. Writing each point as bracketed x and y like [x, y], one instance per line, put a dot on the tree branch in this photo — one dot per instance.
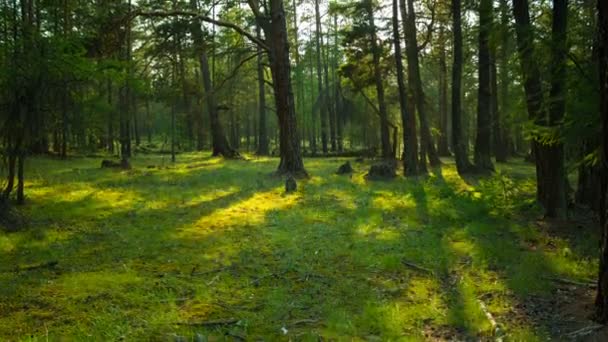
[195, 15]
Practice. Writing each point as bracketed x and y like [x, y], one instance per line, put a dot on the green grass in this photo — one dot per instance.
[143, 250]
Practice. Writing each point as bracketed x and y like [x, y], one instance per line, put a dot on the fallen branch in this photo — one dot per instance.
[584, 331]
[226, 321]
[571, 282]
[304, 321]
[49, 264]
[495, 327]
[416, 267]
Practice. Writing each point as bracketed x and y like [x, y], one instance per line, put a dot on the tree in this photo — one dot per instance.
[601, 300]
[220, 143]
[463, 164]
[262, 133]
[409, 158]
[483, 160]
[548, 151]
[411, 48]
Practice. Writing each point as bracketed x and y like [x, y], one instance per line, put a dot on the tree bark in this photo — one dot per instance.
[443, 148]
[262, 132]
[411, 49]
[280, 67]
[322, 107]
[409, 154]
[220, 144]
[532, 82]
[483, 159]
[463, 165]
[556, 204]
[387, 152]
[601, 300]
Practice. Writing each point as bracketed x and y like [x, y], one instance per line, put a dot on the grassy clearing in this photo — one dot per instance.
[143, 252]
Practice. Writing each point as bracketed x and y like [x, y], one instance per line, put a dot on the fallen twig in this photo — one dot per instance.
[495, 326]
[304, 321]
[572, 282]
[584, 331]
[49, 264]
[226, 321]
[416, 267]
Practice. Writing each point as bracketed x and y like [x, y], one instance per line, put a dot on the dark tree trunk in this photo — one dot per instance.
[483, 159]
[532, 82]
[502, 140]
[322, 107]
[110, 119]
[262, 132]
[219, 142]
[601, 300]
[556, 204]
[276, 32]
[384, 129]
[409, 158]
[443, 148]
[411, 48]
[20, 177]
[463, 164]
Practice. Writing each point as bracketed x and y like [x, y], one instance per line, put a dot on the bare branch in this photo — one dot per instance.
[196, 15]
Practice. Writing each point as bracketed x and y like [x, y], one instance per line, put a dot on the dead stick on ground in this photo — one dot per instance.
[49, 264]
[304, 321]
[416, 267]
[227, 321]
[571, 282]
[584, 331]
[495, 327]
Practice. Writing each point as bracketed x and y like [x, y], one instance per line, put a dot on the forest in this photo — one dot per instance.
[303, 170]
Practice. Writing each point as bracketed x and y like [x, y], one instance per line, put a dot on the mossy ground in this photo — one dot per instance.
[145, 252]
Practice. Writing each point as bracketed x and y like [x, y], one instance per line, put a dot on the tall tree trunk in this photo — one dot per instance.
[503, 143]
[322, 98]
[463, 165]
[110, 119]
[411, 49]
[262, 132]
[409, 158]
[532, 82]
[443, 148]
[220, 143]
[556, 187]
[387, 151]
[338, 93]
[280, 67]
[483, 142]
[601, 300]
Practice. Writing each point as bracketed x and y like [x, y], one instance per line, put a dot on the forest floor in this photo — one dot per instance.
[207, 248]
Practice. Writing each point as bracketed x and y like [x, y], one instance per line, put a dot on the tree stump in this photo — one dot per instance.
[345, 169]
[382, 171]
[122, 164]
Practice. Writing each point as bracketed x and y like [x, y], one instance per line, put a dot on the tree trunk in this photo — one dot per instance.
[601, 300]
[532, 82]
[384, 129]
[220, 143]
[483, 144]
[322, 107]
[411, 49]
[463, 165]
[409, 159]
[502, 142]
[443, 148]
[262, 132]
[280, 67]
[556, 204]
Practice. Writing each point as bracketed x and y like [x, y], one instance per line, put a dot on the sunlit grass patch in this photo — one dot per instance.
[158, 251]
